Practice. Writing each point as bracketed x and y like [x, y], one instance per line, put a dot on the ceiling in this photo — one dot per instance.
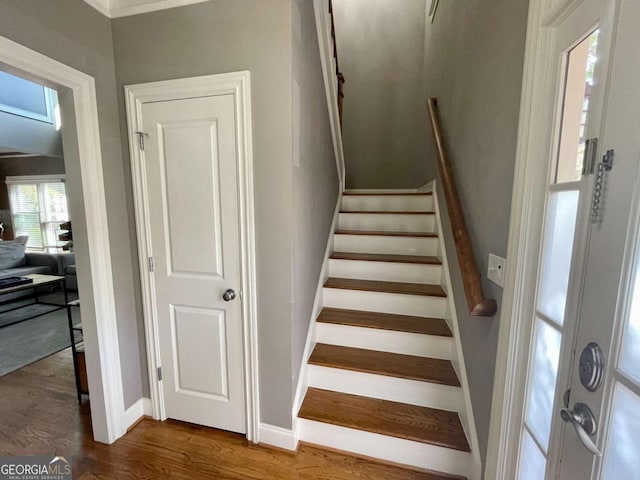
[123, 8]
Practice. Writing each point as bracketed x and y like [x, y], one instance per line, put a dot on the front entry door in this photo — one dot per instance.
[191, 174]
[608, 446]
[580, 419]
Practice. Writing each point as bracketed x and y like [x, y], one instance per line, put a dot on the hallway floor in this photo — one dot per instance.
[39, 414]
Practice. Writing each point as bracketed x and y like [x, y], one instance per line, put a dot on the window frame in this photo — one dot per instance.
[38, 180]
[51, 101]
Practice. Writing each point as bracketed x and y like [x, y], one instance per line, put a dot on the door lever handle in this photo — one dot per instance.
[584, 424]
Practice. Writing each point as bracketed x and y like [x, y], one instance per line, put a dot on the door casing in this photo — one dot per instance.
[108, 416]
[238, 85]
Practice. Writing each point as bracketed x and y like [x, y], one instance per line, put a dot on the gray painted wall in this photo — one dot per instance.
[224, 36]
[75, 34]
[22, 166]
[315, 177]
[28, 135]
[381, 53]
[474, 54]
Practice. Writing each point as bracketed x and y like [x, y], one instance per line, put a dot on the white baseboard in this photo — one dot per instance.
[135, 412]
[277, 437]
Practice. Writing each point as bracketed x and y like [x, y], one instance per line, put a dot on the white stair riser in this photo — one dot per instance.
[391, 449]
[386, 222]
[418, 305]
[413, 392]
[406, 343]
[388, 203]
[383, 244]
[385, 271]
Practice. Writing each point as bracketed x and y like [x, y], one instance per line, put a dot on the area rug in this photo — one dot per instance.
[31, 340]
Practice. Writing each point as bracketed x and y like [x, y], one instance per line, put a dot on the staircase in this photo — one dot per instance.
[381, 378]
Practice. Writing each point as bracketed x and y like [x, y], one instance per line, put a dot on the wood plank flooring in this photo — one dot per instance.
[386, 287]
[391, 194]
[380, 257]
[388, 212]
[382, 233]
[385, 321]
[383, 363]
[39, 414]
[410, 422]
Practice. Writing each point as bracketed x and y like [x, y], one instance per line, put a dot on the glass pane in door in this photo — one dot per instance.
[532, 463]
[622, 456]
[561, 224]
[542, 381]
[630, 357]
[577, 96]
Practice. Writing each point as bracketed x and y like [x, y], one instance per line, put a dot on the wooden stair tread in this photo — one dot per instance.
[400, 420]
[378, 257]
[411, 367]
[387, 194]
[423, 289]
[388, 212]
[385, 321]
[382, 233]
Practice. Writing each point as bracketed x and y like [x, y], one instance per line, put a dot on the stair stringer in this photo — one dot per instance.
[310, 343]
[457, 355]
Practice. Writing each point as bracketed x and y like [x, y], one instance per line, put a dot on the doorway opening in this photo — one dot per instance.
[84, 185]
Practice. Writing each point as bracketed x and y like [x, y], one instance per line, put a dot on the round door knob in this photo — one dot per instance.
[229, 295]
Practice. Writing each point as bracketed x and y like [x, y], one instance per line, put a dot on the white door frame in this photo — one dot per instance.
[238, 85]
[101, 339]
[537, 106]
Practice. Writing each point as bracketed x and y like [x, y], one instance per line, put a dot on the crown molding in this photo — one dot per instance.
[103, 6]
[125, 8]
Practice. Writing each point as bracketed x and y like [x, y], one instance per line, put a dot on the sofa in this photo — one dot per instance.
[15, 262]
[67, 267]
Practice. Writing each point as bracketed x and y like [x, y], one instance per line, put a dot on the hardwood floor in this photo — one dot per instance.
[385, 321]
[39, 414]
[411, 367]
[377, 257]
[411, 422]
[422, 289]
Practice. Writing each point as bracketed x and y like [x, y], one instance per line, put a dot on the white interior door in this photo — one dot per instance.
[581, 266]
[191, 174]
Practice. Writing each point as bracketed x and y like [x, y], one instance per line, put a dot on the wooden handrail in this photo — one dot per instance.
[478, 304]
[339, 75]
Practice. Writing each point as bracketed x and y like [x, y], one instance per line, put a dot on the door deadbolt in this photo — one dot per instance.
[591, 368]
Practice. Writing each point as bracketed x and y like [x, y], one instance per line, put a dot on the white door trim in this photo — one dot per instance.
[537, 104]
[238, 85]
[101, 339]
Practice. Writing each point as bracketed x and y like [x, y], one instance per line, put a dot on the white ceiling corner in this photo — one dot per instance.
[124, 8]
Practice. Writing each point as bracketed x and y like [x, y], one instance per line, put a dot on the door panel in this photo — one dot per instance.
[611, 237]
[190, 169]
[193, 187]
[580, 39]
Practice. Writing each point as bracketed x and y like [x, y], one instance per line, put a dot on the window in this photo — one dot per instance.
[38, 207]
[28, 99]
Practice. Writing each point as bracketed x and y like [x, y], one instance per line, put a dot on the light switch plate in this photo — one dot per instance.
[495, 272]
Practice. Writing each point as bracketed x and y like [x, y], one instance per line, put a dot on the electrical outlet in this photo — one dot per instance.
[495, 272]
